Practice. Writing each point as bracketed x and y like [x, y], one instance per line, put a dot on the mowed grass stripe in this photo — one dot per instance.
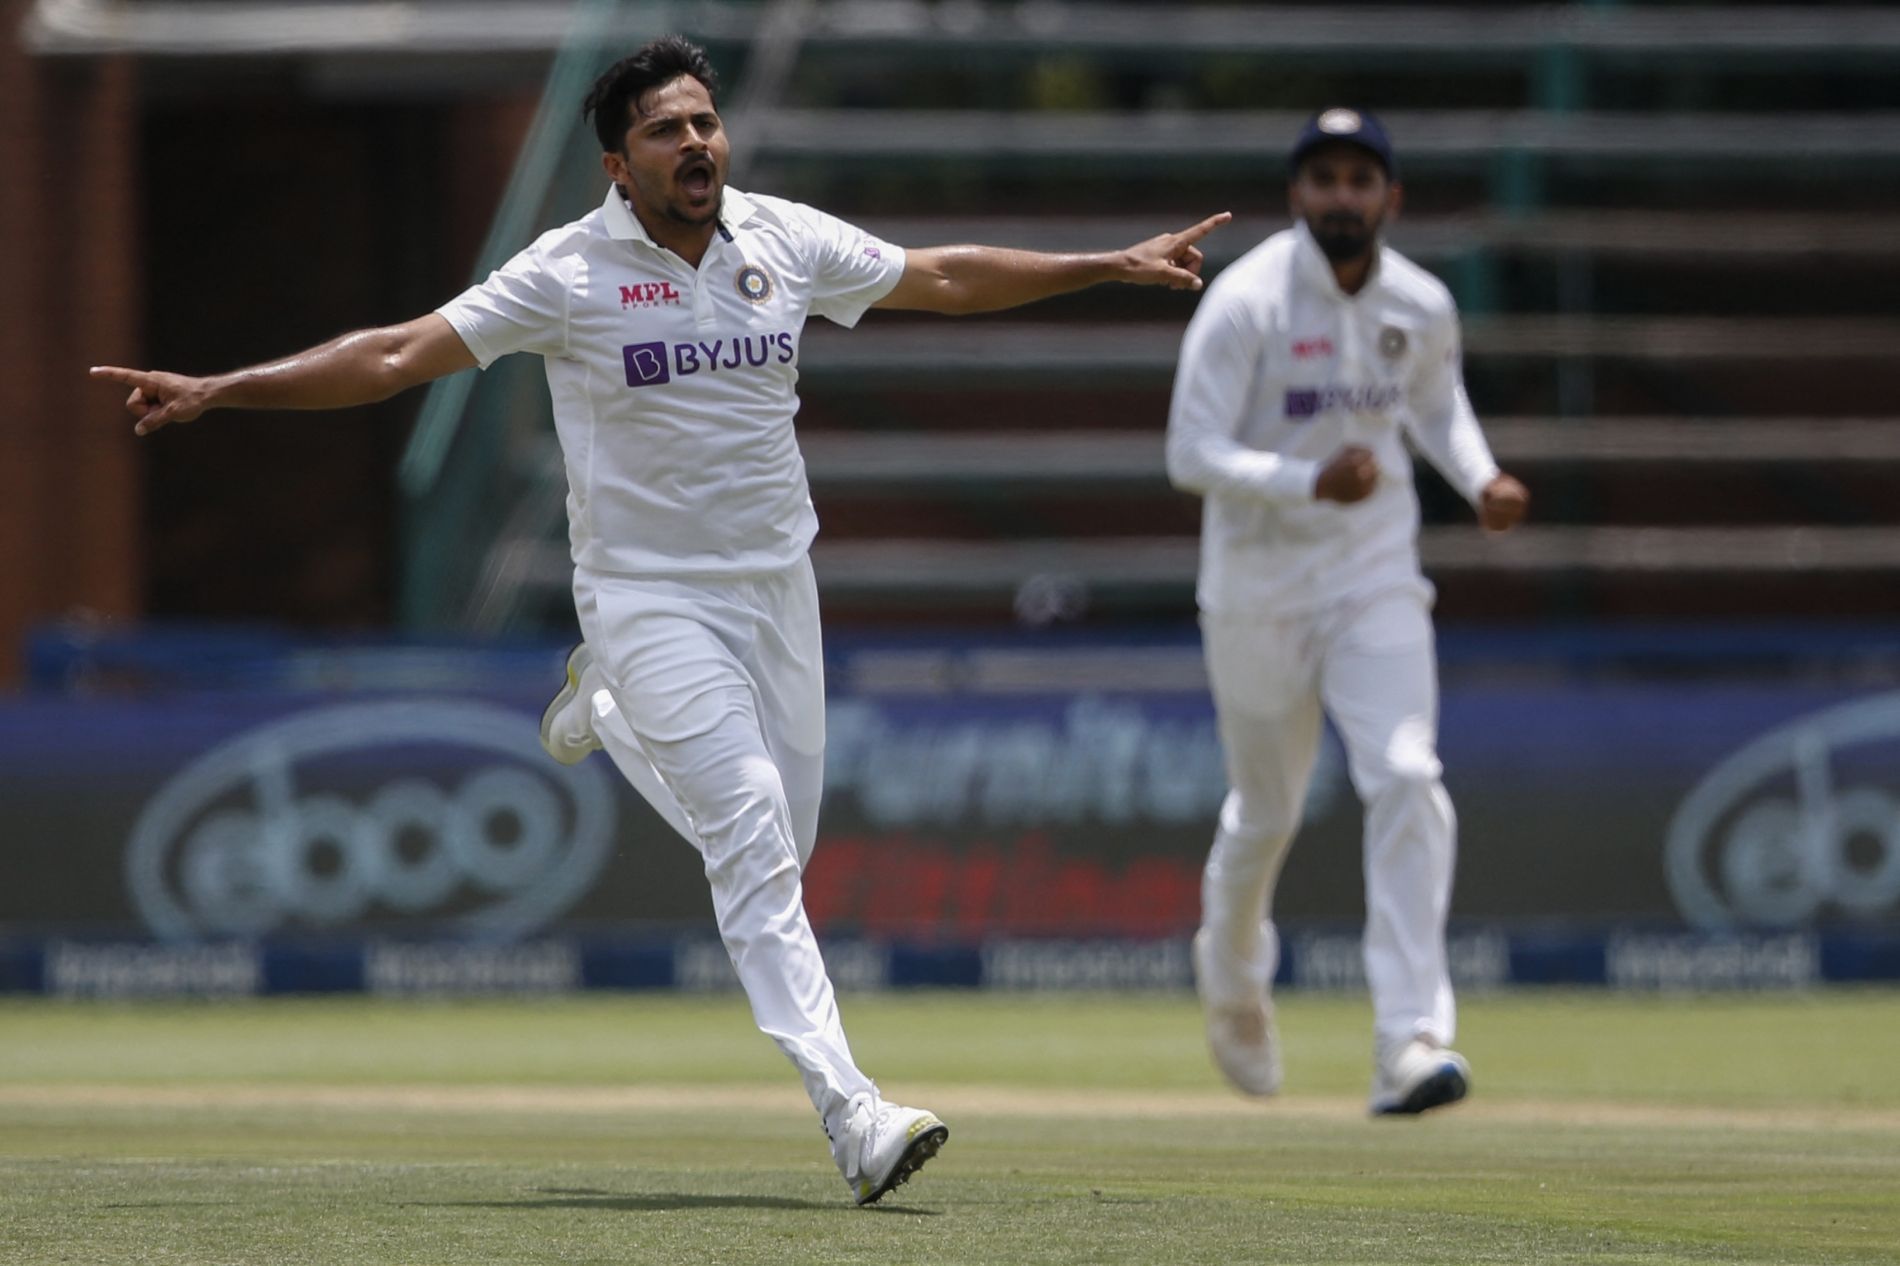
[946, 1098]
[663, 1129]
[678, 1187]
[1829, 1047]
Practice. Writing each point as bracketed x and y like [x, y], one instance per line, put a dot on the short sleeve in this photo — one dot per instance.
[851, 270]
[522, 307]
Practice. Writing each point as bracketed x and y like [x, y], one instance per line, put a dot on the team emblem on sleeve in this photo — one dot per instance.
[1391, 342]
[754, 283]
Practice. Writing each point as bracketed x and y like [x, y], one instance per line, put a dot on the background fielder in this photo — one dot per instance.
[1304, 367]
[669, 322]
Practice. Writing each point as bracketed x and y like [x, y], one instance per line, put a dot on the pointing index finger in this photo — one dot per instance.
[1188, 237]
[114, 373]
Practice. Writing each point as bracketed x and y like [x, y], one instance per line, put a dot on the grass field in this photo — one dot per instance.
[1083, 1129]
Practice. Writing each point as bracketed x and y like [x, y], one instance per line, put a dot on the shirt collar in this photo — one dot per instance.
[1318, 270]
[623, 225]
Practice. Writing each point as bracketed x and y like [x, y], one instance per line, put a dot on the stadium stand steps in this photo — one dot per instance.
[1668, 226]
[1587, 179]
[1622, 263]
[1665, 224]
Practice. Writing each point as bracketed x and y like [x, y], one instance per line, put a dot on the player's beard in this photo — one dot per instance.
[1344, 237]
[683, 213]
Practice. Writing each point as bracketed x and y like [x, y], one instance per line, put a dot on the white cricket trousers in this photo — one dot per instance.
[719, 722]
[1372, 666]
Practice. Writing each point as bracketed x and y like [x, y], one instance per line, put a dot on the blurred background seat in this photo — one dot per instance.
[1665, 226]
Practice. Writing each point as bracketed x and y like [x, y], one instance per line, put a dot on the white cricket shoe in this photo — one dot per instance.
[567, 730]
[880, 1145]
[1241, 1036]
[1418, 1076]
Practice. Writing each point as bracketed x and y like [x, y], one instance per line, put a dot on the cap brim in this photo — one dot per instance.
[1302, 150]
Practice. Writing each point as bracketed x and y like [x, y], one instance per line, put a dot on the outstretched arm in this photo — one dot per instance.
[956, 280]
[358, 368]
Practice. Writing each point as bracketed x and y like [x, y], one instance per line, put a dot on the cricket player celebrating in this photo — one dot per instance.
[1305, 365]
[669, 320]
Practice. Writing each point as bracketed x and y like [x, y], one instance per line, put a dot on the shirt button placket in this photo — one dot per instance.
[702, 288]
[1347, 370]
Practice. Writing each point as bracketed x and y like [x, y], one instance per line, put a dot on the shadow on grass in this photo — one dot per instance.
[652, 1202]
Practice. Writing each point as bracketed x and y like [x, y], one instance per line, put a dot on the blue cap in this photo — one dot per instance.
[1354, 127]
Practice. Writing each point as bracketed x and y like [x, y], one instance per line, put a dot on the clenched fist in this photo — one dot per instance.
[1502, 504]
[1349, 475]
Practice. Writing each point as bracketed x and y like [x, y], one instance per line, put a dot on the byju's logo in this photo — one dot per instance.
[436, 810]
[1302, 402]
[1794, 826]
[1311, 402]
[646, 364]
[649, 364]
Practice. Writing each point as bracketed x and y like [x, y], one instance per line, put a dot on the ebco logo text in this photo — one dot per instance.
[441, 810]
[1795, 826]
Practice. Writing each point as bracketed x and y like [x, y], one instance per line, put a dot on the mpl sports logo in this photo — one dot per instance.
[649, 294]
[651, 364]
[1304, 403]
[444, 811]
[1794, 827]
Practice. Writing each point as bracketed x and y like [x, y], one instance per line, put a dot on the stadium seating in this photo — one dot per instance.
[1665, 225]
[1660, 235]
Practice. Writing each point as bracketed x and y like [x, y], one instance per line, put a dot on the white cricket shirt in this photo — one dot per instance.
[674, 388]
[1280, 368]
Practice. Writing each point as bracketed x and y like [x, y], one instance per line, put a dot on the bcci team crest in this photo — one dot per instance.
[1391, 342]
[1340, 122]
[754, 283]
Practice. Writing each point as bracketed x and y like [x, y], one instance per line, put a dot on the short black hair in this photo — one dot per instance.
[622, 85]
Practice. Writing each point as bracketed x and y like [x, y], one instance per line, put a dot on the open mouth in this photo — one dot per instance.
[696, 179]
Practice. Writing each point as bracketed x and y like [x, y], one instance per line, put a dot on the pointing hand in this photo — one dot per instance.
[1172, 259]
[157, 399]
